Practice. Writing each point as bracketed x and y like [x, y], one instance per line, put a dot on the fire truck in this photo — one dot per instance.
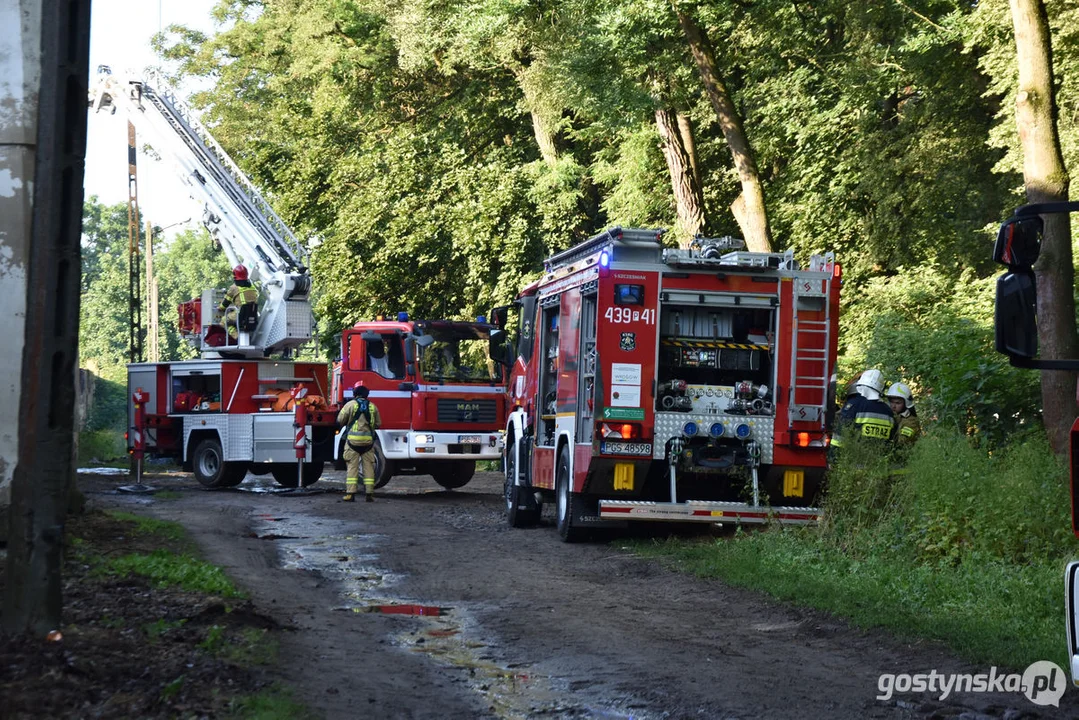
[1018, 247]
[654, 383]
[236, 409]
[439, 392]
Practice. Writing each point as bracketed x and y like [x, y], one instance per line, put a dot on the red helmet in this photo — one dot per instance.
[239, 273]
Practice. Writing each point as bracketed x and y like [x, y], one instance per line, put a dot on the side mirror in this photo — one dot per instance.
[1016, 315]
[499, 315]
[410, 349]
[1019, 242]
[424, 340]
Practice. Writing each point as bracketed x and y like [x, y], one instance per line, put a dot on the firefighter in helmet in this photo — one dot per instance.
[239, 307]
[907, 426]
[360, 418]
[865, 415]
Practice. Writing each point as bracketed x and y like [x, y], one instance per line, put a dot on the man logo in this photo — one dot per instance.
[468, 407]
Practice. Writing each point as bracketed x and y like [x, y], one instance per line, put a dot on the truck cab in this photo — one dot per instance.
[440, 391]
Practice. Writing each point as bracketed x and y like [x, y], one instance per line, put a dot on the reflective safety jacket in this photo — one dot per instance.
[907, 429]
[864, 418]
[361, 426]
[239, 295]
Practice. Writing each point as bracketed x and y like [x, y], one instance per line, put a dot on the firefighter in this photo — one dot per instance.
[360, 417]
[907, 427]
[240, 304]
[865, 415]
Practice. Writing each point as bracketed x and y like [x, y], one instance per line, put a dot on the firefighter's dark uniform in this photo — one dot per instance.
[864, 418]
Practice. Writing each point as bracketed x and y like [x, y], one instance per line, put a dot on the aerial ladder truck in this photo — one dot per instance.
[243, 406]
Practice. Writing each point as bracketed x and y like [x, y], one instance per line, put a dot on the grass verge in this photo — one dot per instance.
[966, 547]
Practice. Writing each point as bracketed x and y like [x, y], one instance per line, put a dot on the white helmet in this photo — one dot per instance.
[871, 384]
[901, 391]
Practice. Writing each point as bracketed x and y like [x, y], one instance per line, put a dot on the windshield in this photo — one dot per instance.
[460, 354]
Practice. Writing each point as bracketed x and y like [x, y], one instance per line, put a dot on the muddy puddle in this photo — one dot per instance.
[446, 633]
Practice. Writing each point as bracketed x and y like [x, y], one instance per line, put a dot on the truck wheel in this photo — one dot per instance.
[455, 474]
[568, 502]
[384, 469]
[515, 494]
[285, 473]
[208, 464]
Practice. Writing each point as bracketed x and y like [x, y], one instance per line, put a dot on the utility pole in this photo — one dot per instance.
[153, 348]
[134, 265]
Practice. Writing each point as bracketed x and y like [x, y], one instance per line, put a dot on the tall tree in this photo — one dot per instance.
[748, 208]
[1047, 180]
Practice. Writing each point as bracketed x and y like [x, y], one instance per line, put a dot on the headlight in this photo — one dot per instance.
[425, 439]
[742, 431]
[689, 429]
[716, 430]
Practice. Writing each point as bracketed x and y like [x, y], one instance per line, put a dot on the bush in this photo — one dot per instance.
[101, 446]
[936, 333]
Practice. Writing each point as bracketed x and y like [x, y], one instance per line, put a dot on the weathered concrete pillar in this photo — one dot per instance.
[20, 78]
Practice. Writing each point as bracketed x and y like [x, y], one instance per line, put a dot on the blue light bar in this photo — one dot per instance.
[481, 319]
[402, 317]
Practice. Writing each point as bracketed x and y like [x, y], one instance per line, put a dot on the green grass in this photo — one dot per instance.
[275, 703]
[988, 612]
[167, 569]
[156, 629]
[966, 547]
[151, 526]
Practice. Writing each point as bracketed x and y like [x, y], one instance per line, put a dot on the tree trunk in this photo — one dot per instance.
[754, 218]
[688, 199]
[542, 127]
[685, 129]
[1047, 180]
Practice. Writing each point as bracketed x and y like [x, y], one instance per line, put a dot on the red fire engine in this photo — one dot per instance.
[663, 384]
[232, 411]
[440, 395]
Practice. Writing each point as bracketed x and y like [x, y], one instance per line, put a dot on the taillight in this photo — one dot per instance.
[805, 439]
[625, 431]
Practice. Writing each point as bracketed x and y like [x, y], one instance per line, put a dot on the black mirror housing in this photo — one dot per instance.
[1016, 315]
[1019, 242]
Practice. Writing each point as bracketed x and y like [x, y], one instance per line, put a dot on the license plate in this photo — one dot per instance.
[469, 439]
[625, 448]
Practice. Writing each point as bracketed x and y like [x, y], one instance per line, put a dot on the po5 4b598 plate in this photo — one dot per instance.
[469, 439]
[608, 447]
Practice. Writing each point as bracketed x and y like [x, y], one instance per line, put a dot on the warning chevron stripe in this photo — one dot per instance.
[709, 345]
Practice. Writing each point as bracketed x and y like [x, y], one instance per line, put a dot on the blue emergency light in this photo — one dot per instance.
[402, 317]
[604, 259]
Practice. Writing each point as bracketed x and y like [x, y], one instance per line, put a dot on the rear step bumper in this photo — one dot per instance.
[706, 511]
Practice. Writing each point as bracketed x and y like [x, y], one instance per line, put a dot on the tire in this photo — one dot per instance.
[454, 474]
[515, 495]
[568, 502]
[208, 464]
[384, 469]
[285, 473]
[235, 472]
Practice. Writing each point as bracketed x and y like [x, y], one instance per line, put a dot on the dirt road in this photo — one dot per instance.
[425, 604]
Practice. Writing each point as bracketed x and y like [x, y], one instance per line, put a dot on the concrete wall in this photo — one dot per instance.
[20, 77]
